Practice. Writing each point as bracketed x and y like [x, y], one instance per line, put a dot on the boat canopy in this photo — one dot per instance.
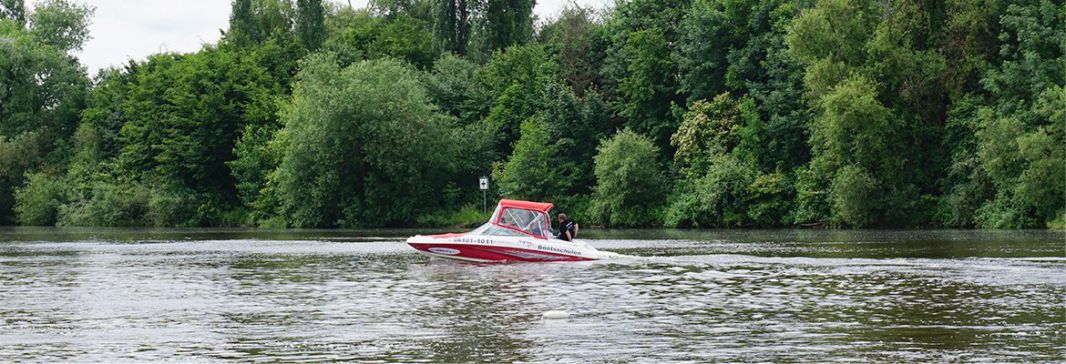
[528, 205]
[519, 217]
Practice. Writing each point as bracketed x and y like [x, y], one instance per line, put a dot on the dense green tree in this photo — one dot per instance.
[242, 23]
[771, 200]
[310, 23]
[529, 173]
[255, 21]
[408, 38]
[361, 146]
[907, 64]
[575, 125]
[277, 57]
[183, 117]
[357, 35]
[629, 188]
[707, 33]
[552, 157]
[104, 114]
[44, 87]
[855, 197]
[61, 24]
[42, 90]
[96, 143]
[451, 83]
[578, 41]
[641, 65]
[716, 188]
[647, 91]
[275, 35]
[253, 157]
[715, 198]
[504, 23]
[114, 203]
[452, 25]
[851, 143]
[1020, 132]
[739, 46]
[511, 90]
[707, 129]
[18, 155]
[880, 69]
[38, 202]
[855, 126]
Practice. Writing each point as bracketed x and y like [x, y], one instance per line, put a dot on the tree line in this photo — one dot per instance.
[676, 113]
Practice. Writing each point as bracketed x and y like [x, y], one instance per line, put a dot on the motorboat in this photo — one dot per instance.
[516, 231]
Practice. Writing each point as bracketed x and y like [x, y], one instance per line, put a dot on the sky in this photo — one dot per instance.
[133, 29]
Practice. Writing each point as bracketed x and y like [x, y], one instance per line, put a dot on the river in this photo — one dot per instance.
[205, 295]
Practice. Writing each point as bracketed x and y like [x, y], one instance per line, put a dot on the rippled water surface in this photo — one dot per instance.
[220, 295]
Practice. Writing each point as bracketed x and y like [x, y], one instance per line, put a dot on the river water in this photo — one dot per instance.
[683, 296]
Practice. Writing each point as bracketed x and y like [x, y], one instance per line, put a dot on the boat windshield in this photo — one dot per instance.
[527, 221]
[493, 230]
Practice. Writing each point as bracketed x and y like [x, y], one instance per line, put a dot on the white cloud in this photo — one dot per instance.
[134, 29]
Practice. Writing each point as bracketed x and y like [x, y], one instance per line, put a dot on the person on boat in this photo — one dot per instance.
[567, 228]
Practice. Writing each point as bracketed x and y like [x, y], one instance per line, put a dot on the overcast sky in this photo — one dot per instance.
[125, 29]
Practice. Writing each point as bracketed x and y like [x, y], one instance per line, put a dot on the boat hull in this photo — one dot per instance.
[477, 248]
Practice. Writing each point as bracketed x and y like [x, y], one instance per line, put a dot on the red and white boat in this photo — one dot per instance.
[517, 231]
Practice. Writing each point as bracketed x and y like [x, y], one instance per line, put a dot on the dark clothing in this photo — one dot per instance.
[565, 226]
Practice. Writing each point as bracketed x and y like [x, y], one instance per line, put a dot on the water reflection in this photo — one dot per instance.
[699, 296]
